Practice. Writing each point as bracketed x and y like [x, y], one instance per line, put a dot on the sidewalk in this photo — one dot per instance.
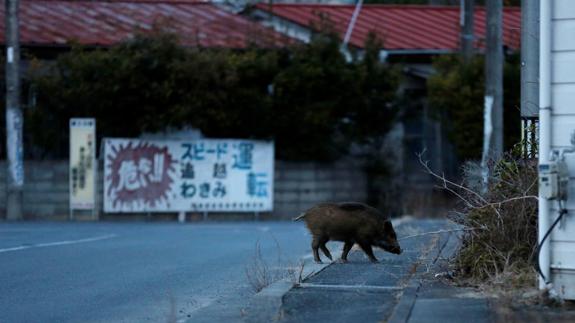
[398, 289]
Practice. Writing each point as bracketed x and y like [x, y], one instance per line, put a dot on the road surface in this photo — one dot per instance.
[133, 272]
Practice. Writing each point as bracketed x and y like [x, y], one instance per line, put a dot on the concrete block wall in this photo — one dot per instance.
[45, 189]
[297, 187]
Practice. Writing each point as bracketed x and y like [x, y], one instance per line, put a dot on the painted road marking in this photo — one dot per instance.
[24, 230]
[58, 243]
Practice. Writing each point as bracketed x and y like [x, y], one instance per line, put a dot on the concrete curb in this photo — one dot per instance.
[403, 309]
[266, 305]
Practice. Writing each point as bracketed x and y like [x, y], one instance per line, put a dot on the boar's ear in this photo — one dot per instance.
[388, 230]
[387, 225]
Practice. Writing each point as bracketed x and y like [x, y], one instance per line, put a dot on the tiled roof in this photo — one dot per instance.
[104, 23]
[401, 27]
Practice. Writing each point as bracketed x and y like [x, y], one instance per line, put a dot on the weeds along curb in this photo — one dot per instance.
[266, 305]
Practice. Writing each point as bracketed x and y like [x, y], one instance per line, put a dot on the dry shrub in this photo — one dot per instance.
[261, 273]
[501, 242]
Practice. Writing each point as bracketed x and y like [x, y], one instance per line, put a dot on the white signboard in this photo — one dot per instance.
[210, 175]
[82, 164]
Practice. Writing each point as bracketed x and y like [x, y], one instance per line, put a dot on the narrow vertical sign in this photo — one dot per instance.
[82, 163]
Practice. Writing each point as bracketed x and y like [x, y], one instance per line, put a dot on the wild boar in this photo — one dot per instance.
[351, 223]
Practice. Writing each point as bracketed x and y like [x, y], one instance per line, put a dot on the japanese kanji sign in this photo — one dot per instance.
[82, 163]
[200, 175]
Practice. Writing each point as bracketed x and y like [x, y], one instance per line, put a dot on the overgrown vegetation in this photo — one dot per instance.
[458, 90]
[500, 225]
[307, 98]
[502, 244]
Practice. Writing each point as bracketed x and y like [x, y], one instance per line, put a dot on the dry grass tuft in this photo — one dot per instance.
[261, 273]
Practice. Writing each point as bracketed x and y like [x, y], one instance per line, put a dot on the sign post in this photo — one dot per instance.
[83, 165]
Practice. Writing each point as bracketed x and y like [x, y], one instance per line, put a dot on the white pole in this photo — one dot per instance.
[351, 24]
[544, 129]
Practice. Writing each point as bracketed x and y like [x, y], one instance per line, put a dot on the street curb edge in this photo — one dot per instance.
[266, 305]
[403, 309]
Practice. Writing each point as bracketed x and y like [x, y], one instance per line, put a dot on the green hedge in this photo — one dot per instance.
[458, 91]
[307, 98]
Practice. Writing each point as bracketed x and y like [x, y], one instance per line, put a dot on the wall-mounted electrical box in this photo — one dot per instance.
[553, 180]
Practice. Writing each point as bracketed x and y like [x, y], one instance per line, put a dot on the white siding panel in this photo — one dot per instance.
[563, 254]
[563, 98]
[570, 160]
[563, 232]
[564, 283]
[561, 128]
[563, 66]
[563, 9]
[562, 125]
[570, 205]
[564, 34]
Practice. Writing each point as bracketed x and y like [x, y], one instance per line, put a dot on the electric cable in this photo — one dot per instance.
[562, 212]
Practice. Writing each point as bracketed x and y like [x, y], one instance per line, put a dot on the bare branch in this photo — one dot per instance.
[509, 200]
[533, 183]
[440, 232]
[445, 187]
[446, 182]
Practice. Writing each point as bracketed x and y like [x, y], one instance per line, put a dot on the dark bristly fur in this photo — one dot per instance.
[351, 223]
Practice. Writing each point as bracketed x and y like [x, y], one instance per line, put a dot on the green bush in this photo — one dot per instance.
[307, 98]
[129, 89]
[458, 89]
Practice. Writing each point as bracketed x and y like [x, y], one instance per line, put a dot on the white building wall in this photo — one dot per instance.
[562, 124]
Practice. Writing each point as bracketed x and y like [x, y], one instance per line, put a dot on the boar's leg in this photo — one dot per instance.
[325, 250]
[346, 248]
[315, 243]
[366, 247]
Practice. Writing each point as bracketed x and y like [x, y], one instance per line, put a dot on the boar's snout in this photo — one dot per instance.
[396, 250]
[390, 247]
[388, 240]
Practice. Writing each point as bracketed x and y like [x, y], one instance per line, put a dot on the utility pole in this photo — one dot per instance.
[14, 120]
[529, 74]
[466, 23]
[493, 116]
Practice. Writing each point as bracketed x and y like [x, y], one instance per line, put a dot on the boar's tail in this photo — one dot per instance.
[299, 217]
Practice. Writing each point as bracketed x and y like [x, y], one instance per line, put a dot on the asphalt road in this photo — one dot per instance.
[133, 272]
